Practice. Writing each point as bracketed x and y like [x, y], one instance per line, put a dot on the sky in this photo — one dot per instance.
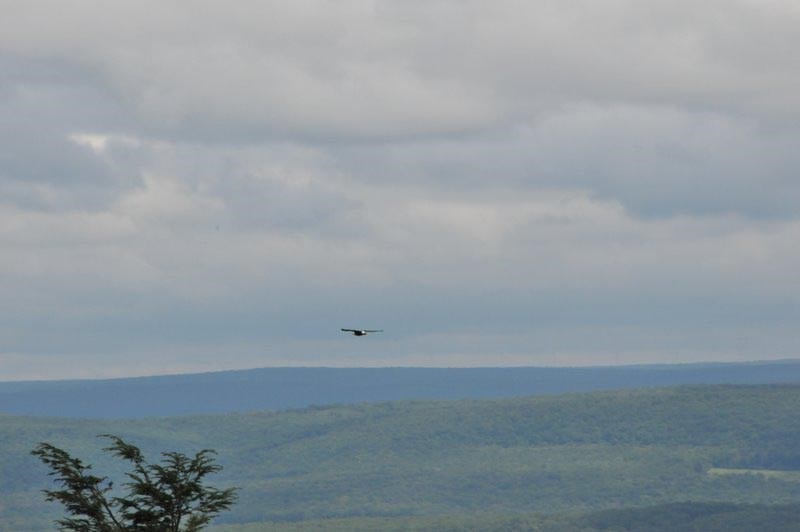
[198, 186]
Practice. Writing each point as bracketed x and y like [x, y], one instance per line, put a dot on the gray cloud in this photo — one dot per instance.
[42, 103]
[317, 69]
[493, 183]
[656, 161]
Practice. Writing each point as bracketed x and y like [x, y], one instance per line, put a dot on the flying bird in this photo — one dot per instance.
[362, 332]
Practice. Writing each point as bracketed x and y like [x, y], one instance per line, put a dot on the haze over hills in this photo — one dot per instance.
[570, 453]
[282, 388]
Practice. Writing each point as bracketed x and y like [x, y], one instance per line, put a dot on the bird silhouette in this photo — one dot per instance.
[362, 332]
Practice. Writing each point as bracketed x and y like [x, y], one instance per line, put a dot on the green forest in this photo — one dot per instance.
[673, 517]
[705, 456]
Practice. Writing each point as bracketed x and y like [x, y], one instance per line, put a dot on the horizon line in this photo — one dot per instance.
[509, 367]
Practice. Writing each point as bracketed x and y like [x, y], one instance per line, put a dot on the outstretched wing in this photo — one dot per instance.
[350, 330]
[373, 330]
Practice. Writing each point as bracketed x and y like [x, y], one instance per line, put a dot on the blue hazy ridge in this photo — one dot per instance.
[284, 388]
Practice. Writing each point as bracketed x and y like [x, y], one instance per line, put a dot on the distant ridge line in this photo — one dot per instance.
[675, 365]
[281, 388]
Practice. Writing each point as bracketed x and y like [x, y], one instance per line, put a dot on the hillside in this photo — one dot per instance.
[282, 388]
[547, 454]
[674, 517]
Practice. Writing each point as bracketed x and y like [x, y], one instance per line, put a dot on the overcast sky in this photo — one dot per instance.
[193, 186]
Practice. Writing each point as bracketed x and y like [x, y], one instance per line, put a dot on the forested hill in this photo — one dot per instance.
[282, 388]
[674, 517]
[566, 453]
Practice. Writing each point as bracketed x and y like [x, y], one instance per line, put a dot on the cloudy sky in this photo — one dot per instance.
[193, 186]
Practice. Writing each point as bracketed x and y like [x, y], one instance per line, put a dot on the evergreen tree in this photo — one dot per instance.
[166, 497]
